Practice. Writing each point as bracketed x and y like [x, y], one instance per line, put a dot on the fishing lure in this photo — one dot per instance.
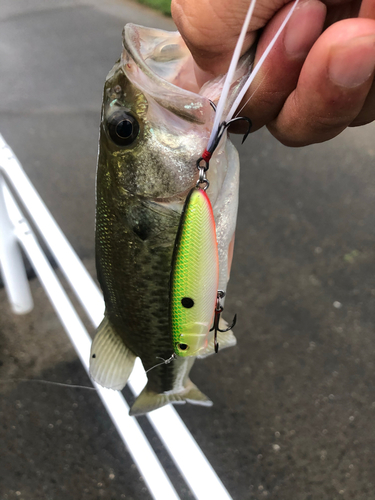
[195, 275]
[195, 298]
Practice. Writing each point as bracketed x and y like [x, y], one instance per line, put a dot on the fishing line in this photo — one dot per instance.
[218, 130]
[259, 64]
[164, 362]
[47, 382]
[230, 74]
[76, 386]
[252, 95]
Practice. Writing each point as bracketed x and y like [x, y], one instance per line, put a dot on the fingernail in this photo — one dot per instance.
[303, 28]
[353, 64]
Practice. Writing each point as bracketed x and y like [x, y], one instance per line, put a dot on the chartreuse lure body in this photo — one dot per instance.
[195, 276]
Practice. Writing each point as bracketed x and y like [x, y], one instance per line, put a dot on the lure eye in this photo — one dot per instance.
[183, 347]
[123, 128]
[187, 302]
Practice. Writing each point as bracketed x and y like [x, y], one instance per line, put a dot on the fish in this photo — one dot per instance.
[153, 129]
[159, 137]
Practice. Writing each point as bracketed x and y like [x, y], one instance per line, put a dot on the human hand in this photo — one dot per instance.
[312, 85]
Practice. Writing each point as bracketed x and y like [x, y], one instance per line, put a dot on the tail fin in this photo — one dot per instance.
[149, 400]
[111, 362]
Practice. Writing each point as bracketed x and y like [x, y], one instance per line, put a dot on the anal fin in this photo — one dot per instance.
[150, 400]
[111, 362]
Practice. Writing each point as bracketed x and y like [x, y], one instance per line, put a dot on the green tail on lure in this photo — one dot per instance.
[195, 276]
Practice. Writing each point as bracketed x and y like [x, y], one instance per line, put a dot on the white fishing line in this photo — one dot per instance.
[259, 64]
[47, 382]
[252, 95]
[228, 80]
[164, 362]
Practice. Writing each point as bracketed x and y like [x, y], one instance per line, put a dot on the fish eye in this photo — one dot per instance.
[187, 302]
[183, 347]
[123, 128]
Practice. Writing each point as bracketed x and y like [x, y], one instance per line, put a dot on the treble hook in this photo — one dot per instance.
[249, 125]
[218, 310]
[223, 127]
[206, 156]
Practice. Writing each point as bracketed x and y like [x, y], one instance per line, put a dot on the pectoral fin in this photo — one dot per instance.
[111, 362]
[149, 400]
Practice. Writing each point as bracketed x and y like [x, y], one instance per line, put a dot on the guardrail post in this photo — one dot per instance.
[12, 267]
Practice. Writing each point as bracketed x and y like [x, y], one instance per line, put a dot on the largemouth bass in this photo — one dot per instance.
[155, 124]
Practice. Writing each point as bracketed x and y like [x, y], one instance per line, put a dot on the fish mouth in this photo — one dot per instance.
[160, 64]
[156, 61]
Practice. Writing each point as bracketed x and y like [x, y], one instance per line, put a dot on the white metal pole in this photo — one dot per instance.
[63, 252]
[12, 267]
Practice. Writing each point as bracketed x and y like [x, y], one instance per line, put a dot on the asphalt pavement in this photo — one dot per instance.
[294, 402]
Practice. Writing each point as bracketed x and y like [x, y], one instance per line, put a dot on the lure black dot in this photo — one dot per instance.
[187, 302]
[183, 347]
